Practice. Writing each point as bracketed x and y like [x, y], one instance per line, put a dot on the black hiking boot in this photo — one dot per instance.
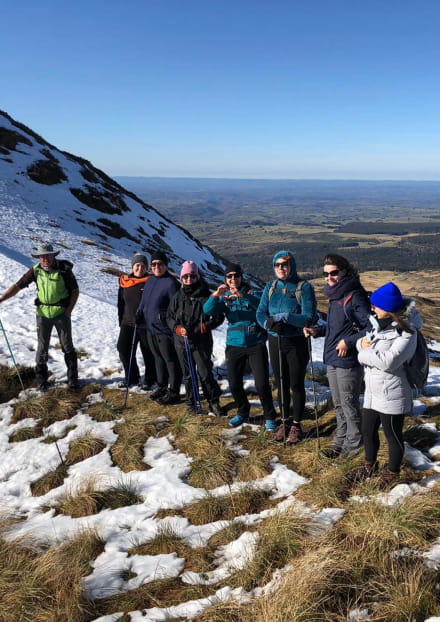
[215, 408]
[170, 397]
[158, 393]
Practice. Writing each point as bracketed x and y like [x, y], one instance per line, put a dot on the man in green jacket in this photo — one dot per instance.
[57, 293]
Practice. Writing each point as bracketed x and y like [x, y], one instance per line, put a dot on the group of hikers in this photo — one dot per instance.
[367, 338]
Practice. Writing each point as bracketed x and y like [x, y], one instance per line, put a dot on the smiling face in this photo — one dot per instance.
[282, 268]
[233, 281]
[158, 267]
[139, 269]
[46, 261]
[332, 274]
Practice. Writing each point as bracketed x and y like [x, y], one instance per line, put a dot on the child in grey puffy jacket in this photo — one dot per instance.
[388, 396]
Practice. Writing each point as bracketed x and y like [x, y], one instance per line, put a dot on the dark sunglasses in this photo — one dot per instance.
[191, 276]
[233, 275]
[156, 263]
[331, 273]
[282, 264]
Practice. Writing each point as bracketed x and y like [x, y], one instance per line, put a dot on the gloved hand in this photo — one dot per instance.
[274, 326]
[203, 329]
[180, 331]
[281, 317]
[139, 318]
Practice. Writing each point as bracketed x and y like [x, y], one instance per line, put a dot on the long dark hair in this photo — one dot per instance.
[333, 259]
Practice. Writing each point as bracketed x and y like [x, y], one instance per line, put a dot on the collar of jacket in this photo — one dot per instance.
[128, 280]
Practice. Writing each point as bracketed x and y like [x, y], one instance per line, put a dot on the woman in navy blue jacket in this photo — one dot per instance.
[347, 320]
[245, 343]
[284, 313]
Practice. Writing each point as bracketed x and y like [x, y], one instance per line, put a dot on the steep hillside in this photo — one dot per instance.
[49, 193]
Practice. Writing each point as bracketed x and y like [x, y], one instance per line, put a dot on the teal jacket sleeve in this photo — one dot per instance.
[263, 308]
[308, 308]
[214, 306]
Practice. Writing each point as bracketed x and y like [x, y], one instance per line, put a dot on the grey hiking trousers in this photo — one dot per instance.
[345, 386]
[63, 327]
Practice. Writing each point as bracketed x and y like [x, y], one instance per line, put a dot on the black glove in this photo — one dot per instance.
[139, 318]
[273, 326]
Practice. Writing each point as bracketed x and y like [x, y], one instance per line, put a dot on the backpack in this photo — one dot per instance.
[417, 367]
[298, 294]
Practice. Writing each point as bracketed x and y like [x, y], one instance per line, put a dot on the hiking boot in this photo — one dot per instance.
[270, 425]
[169, 398]
[281, 434]
[145, 386]
[237, 420]
[215, 408]
[159, 392]
[73, 385]
[388, 478]
[363, 472]
[295, 435]
[44, 386]
[330, 452]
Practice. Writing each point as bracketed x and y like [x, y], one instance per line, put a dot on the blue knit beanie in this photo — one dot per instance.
[283, 255]
[388, 298]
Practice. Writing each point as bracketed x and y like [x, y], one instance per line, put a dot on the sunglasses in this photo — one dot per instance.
[191, 276]
[282, 264]
[233, 275]
[331, 273]
[155, 264]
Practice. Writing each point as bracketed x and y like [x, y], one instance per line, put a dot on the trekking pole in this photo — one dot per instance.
[314, 391]
[133, 343]
[194, 379]
[10, 352]
[281, 400]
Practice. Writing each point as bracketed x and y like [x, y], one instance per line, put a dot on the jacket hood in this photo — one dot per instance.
[411, 315]
[293, 274]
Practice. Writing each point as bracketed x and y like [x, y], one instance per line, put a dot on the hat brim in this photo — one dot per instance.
[55, 253]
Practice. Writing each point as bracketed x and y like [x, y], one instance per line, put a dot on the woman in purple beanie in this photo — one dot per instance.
[383, 352]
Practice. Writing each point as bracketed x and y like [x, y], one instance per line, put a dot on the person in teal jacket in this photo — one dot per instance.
[245, 343]
[287, 305]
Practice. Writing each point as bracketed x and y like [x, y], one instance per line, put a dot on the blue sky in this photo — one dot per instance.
[230, 88]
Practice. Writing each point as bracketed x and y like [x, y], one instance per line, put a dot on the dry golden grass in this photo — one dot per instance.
[30, 585]
[255, 465]
[10, 385]
[55, 405]
[212, 470]
[103, 411]
[228, 534]
[24, 434]
[82, 448]
[50, 480]
[133, 432]
[88, 498]
[211, 508]
[197, 436]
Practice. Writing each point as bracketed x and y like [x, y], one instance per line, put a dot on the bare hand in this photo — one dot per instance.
[221, 290]
[365, 343]
[341, 348]
[309, 332]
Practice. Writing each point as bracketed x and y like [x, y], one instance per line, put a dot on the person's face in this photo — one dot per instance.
[332, 274]
[282, 268]
[380, 313]
[46, 261]
[139, 269]
[158, 267]
[188, 279]
[233, 280]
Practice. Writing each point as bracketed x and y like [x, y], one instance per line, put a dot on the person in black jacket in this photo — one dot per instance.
[186, 319]
[130, 291]
[347, 321]
[156, 297]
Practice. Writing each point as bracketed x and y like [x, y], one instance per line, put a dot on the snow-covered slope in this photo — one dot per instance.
[52, 195]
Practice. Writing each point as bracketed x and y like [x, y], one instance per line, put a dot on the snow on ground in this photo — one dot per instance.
[95, 332]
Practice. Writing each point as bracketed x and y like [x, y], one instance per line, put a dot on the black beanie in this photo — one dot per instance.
[233, 267]
[159, 256]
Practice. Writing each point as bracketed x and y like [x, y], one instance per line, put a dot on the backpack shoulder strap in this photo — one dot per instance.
[271, 289]
[298, 291]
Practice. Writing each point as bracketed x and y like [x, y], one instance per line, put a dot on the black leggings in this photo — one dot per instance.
[294, 359]
[125, 343]
[393, 429]
[168, 370]
[236, 362]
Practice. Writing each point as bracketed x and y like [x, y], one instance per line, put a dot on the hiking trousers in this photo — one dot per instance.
[63, 326]
[125, 342]
[236, 361]
[393, 429]
[345, 386]
[294, 359]
[167, 364]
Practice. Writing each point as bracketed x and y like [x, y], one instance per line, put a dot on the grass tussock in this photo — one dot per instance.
[420, 436]
[255, 465]
[82, 448]
[197, 437]
[133, 432]
[249, 500]
[30, 582]
[10, 385]
[88, 499]
[216, 469]
[51, 438]
[24, 434]
[55, 405]
[49, 481]
[103, 411]
[229, 533]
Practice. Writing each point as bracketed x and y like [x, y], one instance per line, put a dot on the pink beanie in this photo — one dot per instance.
[189, 267]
